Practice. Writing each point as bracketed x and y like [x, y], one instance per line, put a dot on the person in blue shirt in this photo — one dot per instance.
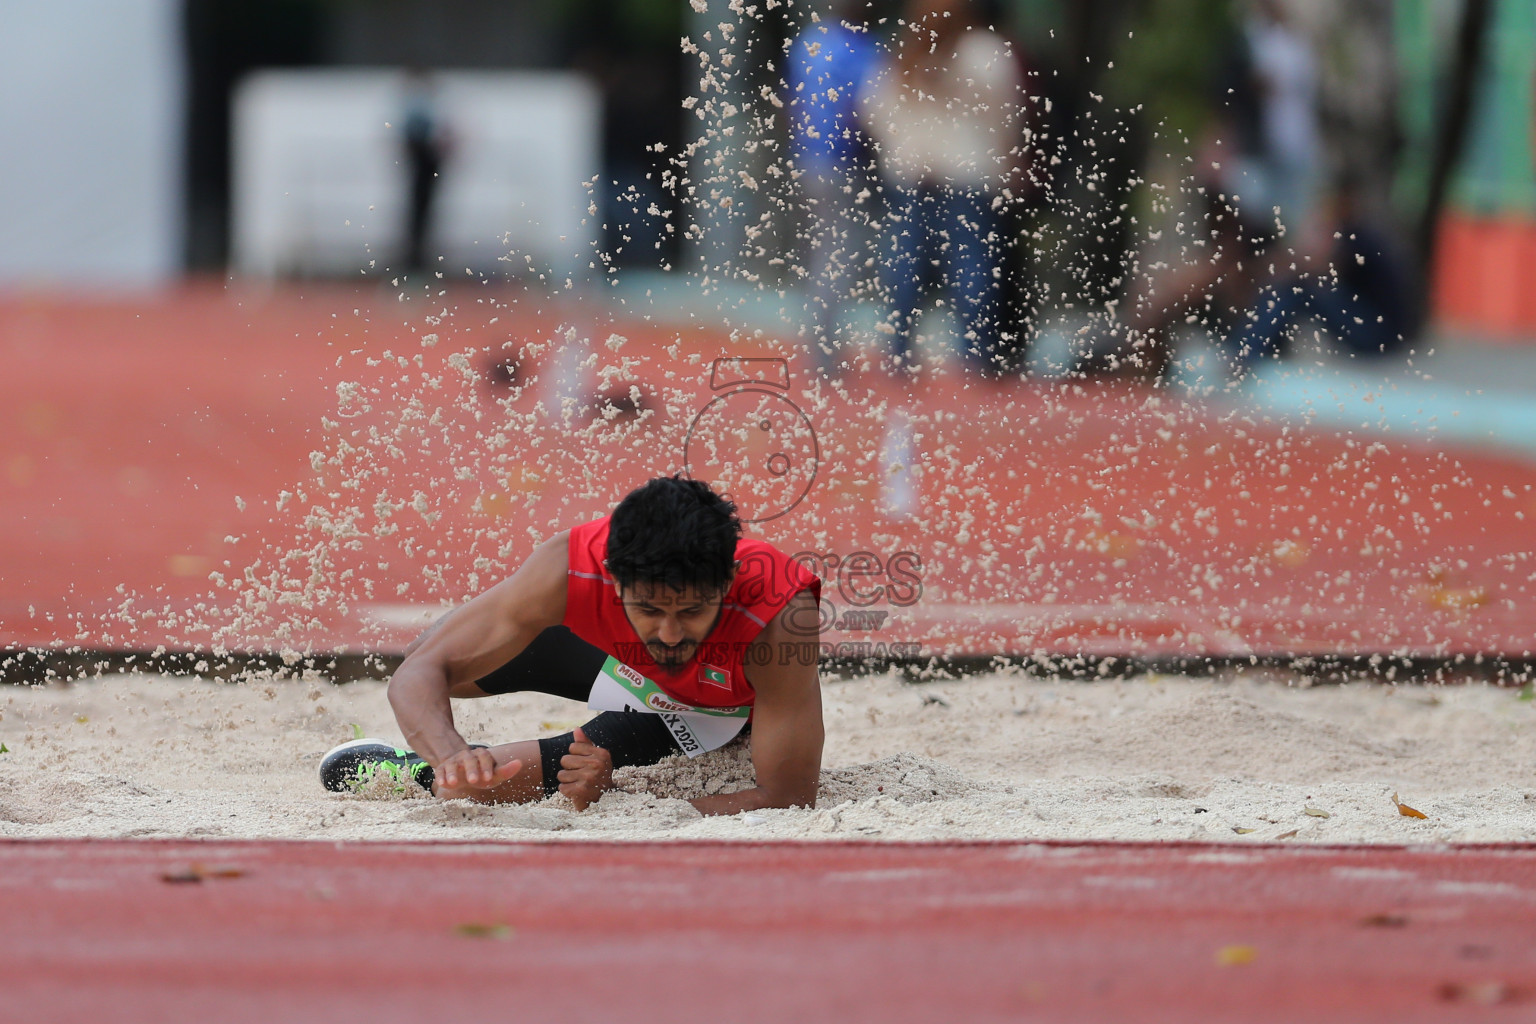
[826, 68]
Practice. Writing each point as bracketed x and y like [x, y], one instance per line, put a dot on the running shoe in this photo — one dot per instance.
[356, 763]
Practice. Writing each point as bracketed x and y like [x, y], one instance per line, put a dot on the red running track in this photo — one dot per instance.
[299, 932]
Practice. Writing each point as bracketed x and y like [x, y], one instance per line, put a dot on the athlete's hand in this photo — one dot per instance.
[471, 770]
[586, 772]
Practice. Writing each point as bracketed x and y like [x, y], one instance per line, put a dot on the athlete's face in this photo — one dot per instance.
[671, 622]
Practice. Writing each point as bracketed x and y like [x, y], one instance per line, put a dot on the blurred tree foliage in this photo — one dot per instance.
[643, 23]
[1167, 55]
[1170, 61]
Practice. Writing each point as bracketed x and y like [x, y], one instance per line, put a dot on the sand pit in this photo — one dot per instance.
[1239, 760]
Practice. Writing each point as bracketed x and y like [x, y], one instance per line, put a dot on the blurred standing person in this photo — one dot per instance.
[828, 63]
[1283, 69]
[427, 144]
[944, 113]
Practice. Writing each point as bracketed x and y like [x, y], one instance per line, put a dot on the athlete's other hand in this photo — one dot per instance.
[472, 770]
[586, 772]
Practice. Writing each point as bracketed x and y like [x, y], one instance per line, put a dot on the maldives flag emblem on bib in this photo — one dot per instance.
[715, 676]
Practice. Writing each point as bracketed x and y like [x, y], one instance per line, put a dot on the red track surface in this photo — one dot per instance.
[316, 932]
[1053, 519]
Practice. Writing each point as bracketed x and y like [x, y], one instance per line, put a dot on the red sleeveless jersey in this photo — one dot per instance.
[716, 675]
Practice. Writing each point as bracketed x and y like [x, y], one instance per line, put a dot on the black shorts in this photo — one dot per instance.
[560, 663]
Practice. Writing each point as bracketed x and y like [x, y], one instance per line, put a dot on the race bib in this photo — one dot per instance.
[620, 688]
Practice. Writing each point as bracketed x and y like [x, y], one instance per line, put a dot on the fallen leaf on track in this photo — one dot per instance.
[198, 872]
[1317, 812]
[1115, 545]
[1242, 831]
[1384, 921]
[1235, 956]
[1292, 554]
[219, 871]
[1479, 993]
[1452, 599]
[1405, 810]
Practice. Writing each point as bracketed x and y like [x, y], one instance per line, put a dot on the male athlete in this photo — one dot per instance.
[660, 615]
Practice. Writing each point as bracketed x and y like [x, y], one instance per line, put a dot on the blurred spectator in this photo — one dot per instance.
[1211, 291]
[943, 110]
[427, 146]
[1274, 92]
[1363, 303]
[1255, 180]
[828, 63]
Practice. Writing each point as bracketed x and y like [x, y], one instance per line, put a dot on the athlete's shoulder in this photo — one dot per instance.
[758, 558]
[799, 619]
[766, 579]
[587, 547]
[592, 528]
[546, 564]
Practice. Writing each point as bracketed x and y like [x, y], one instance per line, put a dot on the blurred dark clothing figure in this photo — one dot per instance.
[828, 64]
[640, 95]
[943, 108]
[1028, 202]
[1364, 302]
[949, 237]
[1214, 288]
[1255, 176]
[427, 147]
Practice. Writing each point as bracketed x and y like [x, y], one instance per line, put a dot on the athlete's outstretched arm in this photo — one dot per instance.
[787, 730]
[467, 645]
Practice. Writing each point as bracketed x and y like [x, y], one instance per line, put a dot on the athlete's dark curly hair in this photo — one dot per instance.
[673, 531]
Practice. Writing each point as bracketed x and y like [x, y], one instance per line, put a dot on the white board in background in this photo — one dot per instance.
[320, 178]
[91, 127]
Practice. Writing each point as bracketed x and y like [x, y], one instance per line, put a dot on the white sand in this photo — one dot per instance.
[987, 757]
